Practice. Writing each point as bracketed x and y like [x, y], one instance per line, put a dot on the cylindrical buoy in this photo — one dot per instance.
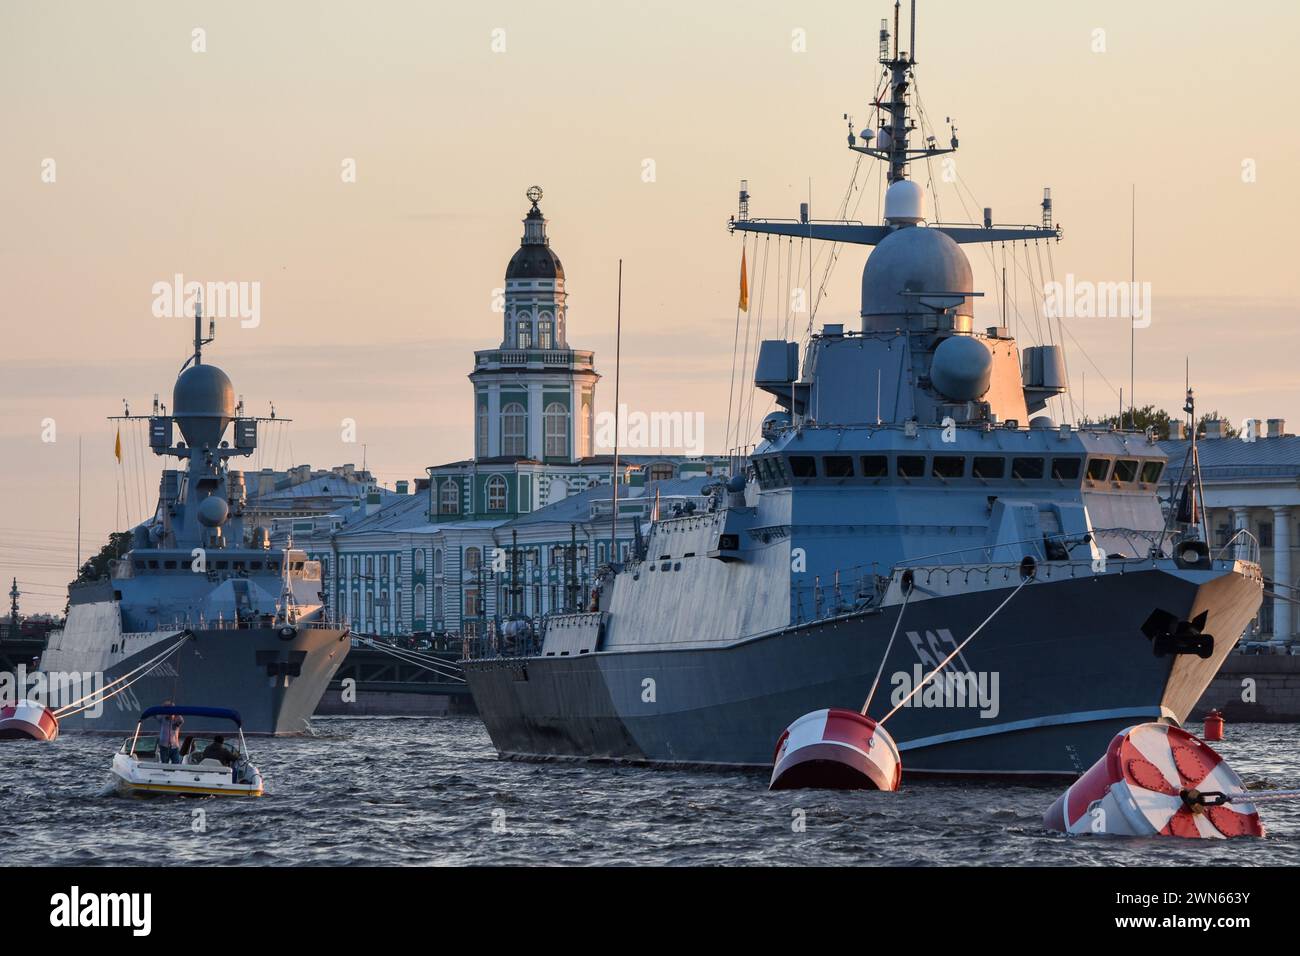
[1213, 726]
[836, 749]
[1151, 782]
[27, 720]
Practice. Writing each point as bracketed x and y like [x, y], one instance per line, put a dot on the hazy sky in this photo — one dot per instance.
[226, 165]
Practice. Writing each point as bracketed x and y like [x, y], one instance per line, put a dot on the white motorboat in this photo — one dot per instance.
[208, 766]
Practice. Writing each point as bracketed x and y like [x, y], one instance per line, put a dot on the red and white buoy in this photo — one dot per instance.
[27, 720]
[1157, 780]
[1213, 725]
[836, 749]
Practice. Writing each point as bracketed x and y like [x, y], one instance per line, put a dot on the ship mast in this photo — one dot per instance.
[891, 145]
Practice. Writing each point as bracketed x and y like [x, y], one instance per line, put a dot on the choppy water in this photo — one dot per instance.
[431, 791]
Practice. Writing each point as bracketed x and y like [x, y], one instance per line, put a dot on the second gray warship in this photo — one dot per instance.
[232, 622]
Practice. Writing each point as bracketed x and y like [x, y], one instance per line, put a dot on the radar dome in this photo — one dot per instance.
[914, 259]
[213, 511]
[203, 403]
[962, 368]
[905, 202]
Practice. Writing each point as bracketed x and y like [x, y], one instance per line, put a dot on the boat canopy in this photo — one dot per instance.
[167, 711]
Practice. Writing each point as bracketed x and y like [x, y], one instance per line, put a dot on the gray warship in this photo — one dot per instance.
[226, 620]
[902, 484]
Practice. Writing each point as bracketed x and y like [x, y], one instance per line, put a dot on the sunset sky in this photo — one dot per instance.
[226, 165]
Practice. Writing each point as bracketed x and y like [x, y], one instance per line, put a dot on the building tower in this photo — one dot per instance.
[534, 395]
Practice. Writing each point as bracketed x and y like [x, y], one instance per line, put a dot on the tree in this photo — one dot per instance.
[1139, 419]
[119, 543]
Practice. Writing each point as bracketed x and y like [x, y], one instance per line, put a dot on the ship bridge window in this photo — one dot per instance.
[1098, 469]
[875, 466]
[838, 466]
[982, 467]
[1126, 469]
[1026, 469]
[911, 466]
[1066, 469]
[139, 565]
[256, 565]
[153, 565]
[222, 565]
[948, 466]
[273, 565]
[169, 565]
[1151, 471]
[803, 466]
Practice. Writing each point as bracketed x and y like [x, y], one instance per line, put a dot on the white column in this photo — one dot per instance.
[1282, 615]
[494, 419]
[535, 448]
[1240, 520]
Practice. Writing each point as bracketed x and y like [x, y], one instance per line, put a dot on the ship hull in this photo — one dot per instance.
[1064, 668]
[273, 682]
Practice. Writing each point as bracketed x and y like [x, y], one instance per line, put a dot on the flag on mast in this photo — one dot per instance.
[744, 283]
[117, 445]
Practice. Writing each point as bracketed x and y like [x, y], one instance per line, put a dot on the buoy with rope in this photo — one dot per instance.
[1158, 780]
[32, 720]
[840, 749]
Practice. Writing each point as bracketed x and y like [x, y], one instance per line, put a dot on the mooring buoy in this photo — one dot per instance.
[1157, 780]
[836, 749]
[27, 720]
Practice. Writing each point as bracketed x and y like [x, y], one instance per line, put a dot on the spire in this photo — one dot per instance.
[534, 222]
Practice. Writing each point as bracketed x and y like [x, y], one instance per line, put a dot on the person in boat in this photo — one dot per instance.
[169, 736]
[217, 750]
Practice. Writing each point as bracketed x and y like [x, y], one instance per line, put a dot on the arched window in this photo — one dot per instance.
[555, 421]
[496, 493]
[417, 612]
[437, 603]
[472, 559]
[449, 498]
[545, 335]
[437, 561]
[482, 442]
[514, 424]
[419, 560]
[524, 334]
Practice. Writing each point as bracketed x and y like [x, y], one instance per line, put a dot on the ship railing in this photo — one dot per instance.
[1242, 546]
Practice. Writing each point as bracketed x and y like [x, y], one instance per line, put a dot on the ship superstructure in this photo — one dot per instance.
[909, 479]
[251, 625]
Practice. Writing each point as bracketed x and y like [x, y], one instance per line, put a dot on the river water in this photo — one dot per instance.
[430, 791]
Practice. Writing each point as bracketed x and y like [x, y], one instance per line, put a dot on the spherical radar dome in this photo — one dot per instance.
[962, 369]
[203, 403]
[914, 259]
[213, 511]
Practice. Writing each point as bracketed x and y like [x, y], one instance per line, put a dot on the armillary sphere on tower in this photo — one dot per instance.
[534, 194]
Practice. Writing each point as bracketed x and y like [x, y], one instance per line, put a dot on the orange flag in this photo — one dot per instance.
[744, 283]
[117, 445]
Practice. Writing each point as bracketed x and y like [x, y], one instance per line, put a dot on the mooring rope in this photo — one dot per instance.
[944, 663]
[888, 647]
[410, 657]
[67, 711]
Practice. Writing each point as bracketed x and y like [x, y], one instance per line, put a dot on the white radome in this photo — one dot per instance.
[905, 202]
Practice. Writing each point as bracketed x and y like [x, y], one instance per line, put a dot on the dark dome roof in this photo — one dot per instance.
[534, 261]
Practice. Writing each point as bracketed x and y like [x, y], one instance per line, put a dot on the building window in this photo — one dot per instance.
[545, 339]
[1266, 534]
[523, 334]
[437, 603]
[482, 443]
[449, 498]
[661, 472]
[383, 566]
[473, 557]
[437, 561]
[556, 422]
[514, 438]
[419, 561]
[496, 493]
